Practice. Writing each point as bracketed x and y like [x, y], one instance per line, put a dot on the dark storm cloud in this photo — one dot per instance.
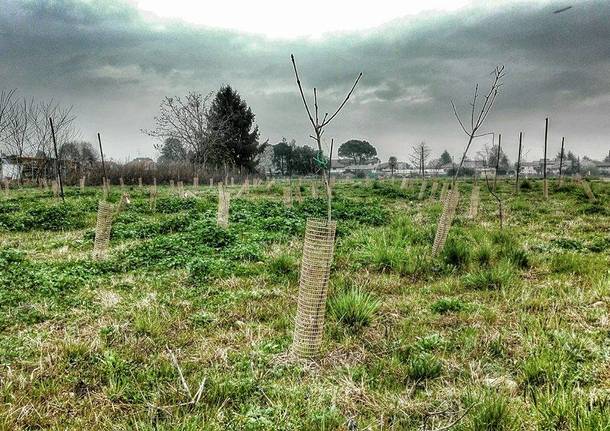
[114, 64]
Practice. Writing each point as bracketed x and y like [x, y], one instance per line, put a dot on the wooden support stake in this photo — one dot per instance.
[57, 166]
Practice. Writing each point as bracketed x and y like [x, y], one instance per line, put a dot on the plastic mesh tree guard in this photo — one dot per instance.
[211, 182]
[246, 186]
[121, 182]
[232, 181]
[140, 182]
[444, 191]
[180, 187]
[171, 184]
[270, 184]
[55, 188]
[422, 190]
[314, 190]
[224, 200]
[7, 188]
[433, 190]
[104, 189]
[152, 200]
[102, 230]
[545, 188]
[473, 211]
[288, 197]
[318, 250]
[123, 202]
[297, 194]
[403, 184]
[82, 184]
[195, 182]
[587, 189]
[445, 221]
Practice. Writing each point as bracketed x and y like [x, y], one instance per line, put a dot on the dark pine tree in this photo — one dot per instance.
[232, 123]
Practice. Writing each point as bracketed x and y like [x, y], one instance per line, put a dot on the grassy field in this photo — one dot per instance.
[187, 326]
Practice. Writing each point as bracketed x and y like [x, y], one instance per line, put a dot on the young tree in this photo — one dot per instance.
[393, 164]
[318, 128]
[357, 150]
[478, 113]
[233, 121]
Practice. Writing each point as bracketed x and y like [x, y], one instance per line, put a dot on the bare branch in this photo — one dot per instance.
[296, 74]
[344, 102]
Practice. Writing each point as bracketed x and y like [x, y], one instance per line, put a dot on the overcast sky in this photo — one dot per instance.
[114, 61]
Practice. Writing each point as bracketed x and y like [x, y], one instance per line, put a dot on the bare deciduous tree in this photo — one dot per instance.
[187, 121]
[318, 127]
[478, 113]
[7, 103]
[19, 128]
[63, 119]
[419, 155]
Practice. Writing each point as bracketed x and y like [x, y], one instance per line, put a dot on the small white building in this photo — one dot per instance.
[9, 170]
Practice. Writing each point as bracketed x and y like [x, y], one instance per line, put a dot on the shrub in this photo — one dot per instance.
[354, 308]
[200, 270]
[429, 343]
[493, 413]
[484, 253]
[571, 263]
[456, 253]
[519, 258]
[282, 265]
[448, 305]
[41, 216]
[424, 366]
[489, 278]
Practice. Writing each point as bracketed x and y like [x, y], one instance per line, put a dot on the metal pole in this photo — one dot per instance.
[519, 162]
[497, 160]
[57, 166]
[104, 179]
[561, 159]
[546, 132]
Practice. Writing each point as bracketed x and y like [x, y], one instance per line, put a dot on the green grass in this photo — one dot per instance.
[508, 328]
[353, 308]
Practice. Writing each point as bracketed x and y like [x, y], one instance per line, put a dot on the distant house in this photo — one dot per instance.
[337, 166]
[604, 168]
[346, 166]
[9, 169]
[366, 169]
[143, 163]
[469, 164]
[402, 168]
[529, 169]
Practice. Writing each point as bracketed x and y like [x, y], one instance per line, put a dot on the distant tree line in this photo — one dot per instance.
[25, 133]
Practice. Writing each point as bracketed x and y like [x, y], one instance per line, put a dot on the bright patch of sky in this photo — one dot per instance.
[289, 19]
